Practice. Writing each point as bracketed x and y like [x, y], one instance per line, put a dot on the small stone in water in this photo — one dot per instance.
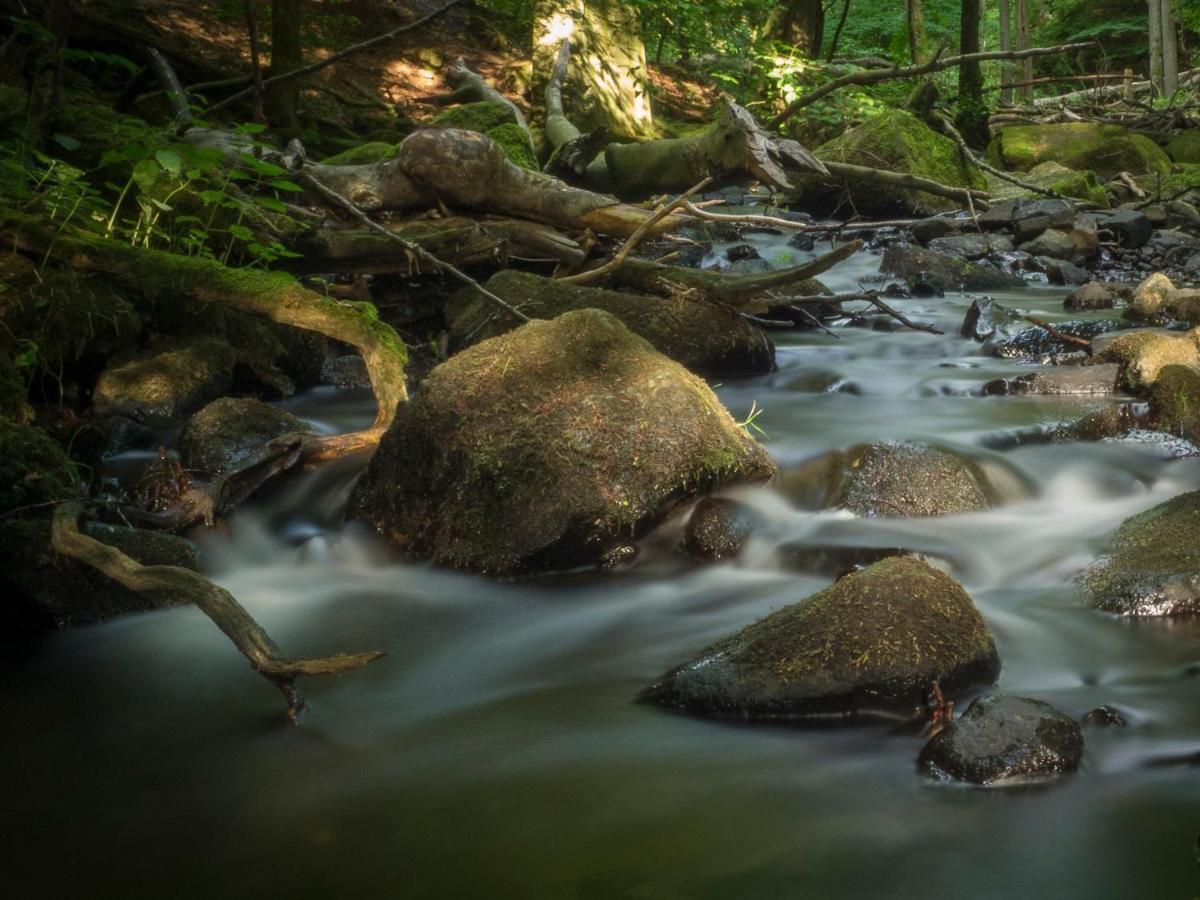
[1105, 715]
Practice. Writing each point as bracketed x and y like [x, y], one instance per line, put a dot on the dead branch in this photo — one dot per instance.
[1055, 333]
[215, 602]
[848, 172]
[947, 127]
[873, 76]
[471, 87]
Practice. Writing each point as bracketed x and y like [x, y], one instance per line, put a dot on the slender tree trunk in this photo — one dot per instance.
[972, 118]
[1170, 45]
[260, 115]
[799, 23]
[1022, 12]
[286, 55]
[915, 17]
[1156, 46]
[837, 32]
[1006, 69]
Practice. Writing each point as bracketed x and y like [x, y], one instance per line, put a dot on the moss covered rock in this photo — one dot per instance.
[891, 480]
[1184, 147]
[898, 141]
[1143, 354]
[165, 383]
[44, 591]
[1153, 563]
[549, 447]
[708, 338]
[498, 122]
[14, 396]
[872, 642]
[230, 433]
[1175, 401]
[370, 152]
[917, 264]
[34, 471]
[1085, 146]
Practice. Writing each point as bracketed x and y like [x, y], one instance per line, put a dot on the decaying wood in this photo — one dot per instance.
[571, 151]
[936, 64]
[215, 602]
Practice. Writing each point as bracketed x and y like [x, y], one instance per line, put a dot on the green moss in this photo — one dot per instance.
[482, 117]
[872, 641]
[1184, 147]
[1103, 149]
[14, 398]
[371, 152]
[516, 145]
[1143, 354]
[1182, 178]
[1054, 177]
[34, 471]
[898, 141]
[1175, 401]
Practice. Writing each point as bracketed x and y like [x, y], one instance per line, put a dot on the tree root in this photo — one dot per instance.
[215, 602]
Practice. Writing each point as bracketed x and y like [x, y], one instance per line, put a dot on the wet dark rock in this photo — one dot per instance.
[718, 528]
[1099, 379]
[802, 240]
[999, 216]
[987, 317]
[930, 229]
[231, 433]
[1131, 228]
[348, 371]
[739, 252]
[890, 480]
[547, 447]
[44, 590]
[872, 642]
[1059, 271]
[926, 284]
[1038, 344]
[1002, 739]
[1109, 421]
[1160, 443]
[832, 559]
[166, 383]
[708, 338]
[1092, 295]
[1192, 266]
[750, 267]
[1106, 716]
[1153, 564]
[1052, 243]
[912, 263]
[121, 435]
[971, 246]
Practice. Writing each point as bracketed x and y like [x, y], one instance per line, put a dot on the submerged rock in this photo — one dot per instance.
[166, 383]
[1098, 379]
[890, 480]
[708, 338]
[1002, 739]
[872, 642]
[548, 447]
[915, 264]
[719, 528]
[1153, 564]
[230, 433]
[985, 318]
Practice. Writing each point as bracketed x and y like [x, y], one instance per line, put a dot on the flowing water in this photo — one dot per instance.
[496, 751]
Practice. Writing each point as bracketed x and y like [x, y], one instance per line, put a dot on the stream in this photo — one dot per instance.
[497, 751]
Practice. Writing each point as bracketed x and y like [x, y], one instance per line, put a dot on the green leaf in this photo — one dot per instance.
[272, 204]
[241, 232]
[250, 128]
[170, 161]
[66, 141]
[289, 186]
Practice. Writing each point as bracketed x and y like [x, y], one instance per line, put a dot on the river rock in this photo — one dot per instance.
[1175, 401]
[708, 338]
[1039, 345]
[1052, 243]
[229, 434]
[971, 246]
[166, 383]
[1031, 218]
[34, 471]
[1143, 354]
[914, 264]
[1131, 228]
[1002, 739]
[1106, 150]
[986, 318]
[872, 642]
[1092, 295]
[890, 480]
[1060, 271]
[45, 591]
[1098, 379]
[935, 227]
[719, 527]
[548, 447]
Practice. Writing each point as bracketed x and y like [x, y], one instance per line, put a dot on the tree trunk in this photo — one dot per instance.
[916, 31]
[1022, 11]
[1006, 69]
[798, 23]
[286, 55]
[609, 81]
[1170, 51]
[972, 118]
[1156, 46]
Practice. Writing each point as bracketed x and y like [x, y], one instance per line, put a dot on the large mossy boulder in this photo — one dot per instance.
[1087, 146]
[898, 141]
[1143, 354]
[34, 471]
[229, 434]
[45, 591]
[872, 642]
[165, 383]
[549, 447]
[1153, 563]
[1004, 740]
[891, 480]
[498, 122]
[1175, 402]
[707, 338]
[1053, 176]
[1184, 147]
[919, 265]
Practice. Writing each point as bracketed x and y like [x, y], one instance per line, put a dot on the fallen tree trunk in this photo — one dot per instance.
[274, 295]
[571, 151]
[471, 87]
[215, 602]
[1111, 91]
[847, 172]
